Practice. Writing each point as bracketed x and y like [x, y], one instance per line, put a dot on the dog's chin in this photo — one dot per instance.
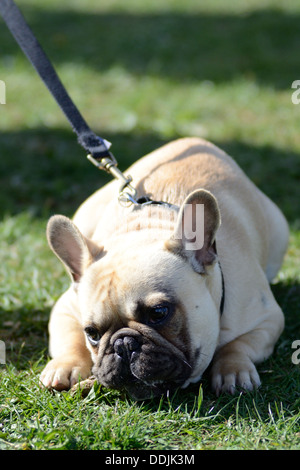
[143, 391]
[139, 390]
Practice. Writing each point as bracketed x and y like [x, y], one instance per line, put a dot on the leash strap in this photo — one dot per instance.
[94, 145]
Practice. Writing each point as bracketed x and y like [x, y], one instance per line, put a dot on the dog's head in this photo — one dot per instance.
[149, 307]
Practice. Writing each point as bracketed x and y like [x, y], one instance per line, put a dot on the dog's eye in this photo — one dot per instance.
[158, 314]
[93, 335]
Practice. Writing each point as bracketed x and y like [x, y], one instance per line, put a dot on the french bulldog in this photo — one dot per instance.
[161, 291]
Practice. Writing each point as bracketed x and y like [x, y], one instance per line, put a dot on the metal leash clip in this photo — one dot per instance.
[127, 193]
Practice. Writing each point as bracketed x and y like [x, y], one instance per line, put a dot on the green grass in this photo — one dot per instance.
[143, 73]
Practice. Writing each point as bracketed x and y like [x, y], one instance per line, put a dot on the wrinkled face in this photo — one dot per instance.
[150, 320]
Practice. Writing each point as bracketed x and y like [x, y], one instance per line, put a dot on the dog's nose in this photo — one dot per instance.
[124, 347]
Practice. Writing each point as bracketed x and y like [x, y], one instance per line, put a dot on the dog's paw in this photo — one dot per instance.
[232, 373]
[62, 374]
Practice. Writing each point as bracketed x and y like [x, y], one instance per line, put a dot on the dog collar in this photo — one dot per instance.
[223, 292]
[146, 201]
[143, 201]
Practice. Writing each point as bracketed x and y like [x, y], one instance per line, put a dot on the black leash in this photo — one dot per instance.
[95, 145]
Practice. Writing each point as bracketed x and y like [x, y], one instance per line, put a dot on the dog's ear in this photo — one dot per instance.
[194, 235]
[70, 246]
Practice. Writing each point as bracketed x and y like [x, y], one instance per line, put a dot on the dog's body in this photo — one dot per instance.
[155, 304]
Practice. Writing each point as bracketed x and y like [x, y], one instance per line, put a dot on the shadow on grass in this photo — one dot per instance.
[24, 332]
[263, 44]
[46, 171]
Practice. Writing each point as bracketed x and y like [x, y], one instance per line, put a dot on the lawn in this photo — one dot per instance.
[143, 73]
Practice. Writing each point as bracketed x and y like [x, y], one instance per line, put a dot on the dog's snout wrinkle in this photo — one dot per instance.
[123, 333]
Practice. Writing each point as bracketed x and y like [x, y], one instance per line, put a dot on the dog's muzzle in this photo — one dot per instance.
[143, 367]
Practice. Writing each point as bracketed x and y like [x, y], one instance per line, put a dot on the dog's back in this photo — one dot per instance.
[171, 172]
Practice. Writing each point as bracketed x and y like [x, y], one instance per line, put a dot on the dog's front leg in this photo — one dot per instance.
[71, 359]
[233, 364]
[232, 368]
